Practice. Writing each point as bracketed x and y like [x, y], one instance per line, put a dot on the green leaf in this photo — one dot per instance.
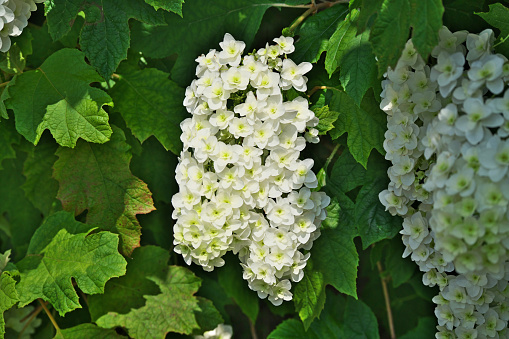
[97, 178]
[61, 15]
[58, 96]
[459, 14]
[15, 60]
[497, 17]
[400, 269]
[329, 325]
[391, 28]
[87, 331]
[368, 11]
[40, 187]
[8, 137]
[42, 44]
[230, 278]
[153, 166]
[365, 125]
[145, 262]
[22, 217]
[3, 97]
[315, 32]
[326, 117]
[171, 311]
[203, 27]
[61, 249]
[291, 329]
[8, 297]
[174, 6]
[426, 21]
[353, 54]
[365, 212]
[360, 322]
[425, 329]
[151, 104]
[208, 318]
[335, 256]
[105, 35]
[309, 297]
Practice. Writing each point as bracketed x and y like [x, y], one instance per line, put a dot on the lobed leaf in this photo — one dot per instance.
[87, 331]
[365, 125]
[63, 249]
[170, 311]
[309, 297]
[57, 96]
[97, 178]
[151, 104]
[174, 6]
[497, 17]
[426, 22]
[8, 297]
[315, 32]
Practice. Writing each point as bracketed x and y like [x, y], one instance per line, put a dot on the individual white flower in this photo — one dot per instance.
[235, 79]
[232, 50]
[479, 45]
[207, 62]
[293, 75]
[286, 44]
[220, 332]
[487, 71]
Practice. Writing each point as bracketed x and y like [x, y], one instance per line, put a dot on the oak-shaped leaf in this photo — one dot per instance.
[170, 311]
[105, 37]
[97, 178]
[57, 96]
[8, 297]
[151, 104]
[87, 331]
[63, 249]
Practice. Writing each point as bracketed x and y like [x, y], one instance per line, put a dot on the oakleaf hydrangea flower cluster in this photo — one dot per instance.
[242, 186]
[14, 15]
[447, 139]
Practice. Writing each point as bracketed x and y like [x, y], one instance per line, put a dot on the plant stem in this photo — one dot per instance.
[30, 318]
[3, 84]
[312, 8]
[253, 330]
[49, 315]
[317, 88]
[387, 300]
[331, 156]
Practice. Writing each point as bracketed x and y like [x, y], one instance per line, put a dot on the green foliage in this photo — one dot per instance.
[364, 213]
[392, 28]
[86, 331]
[229, 278]
[425, 329]
[105, 36]
[61, 249]
[151, 104]
[309, 297]
[146, 261]
[350, 319]
[497, 17]
[365, 125]
[171, 311]
[168, 5]
[202, 30]
[8, 137]
[354, 53]
[327, 119]
[8, 297]
[61, 100]
[97, 178]
[315, 33]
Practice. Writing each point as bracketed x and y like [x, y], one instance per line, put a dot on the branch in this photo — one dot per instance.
[387, 301]
[49, 315]
[30, 318]
[312, 9]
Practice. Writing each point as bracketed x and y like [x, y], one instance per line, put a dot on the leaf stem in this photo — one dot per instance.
[253, 330]
[312, 9]
[3, 84]
[387, 300]
[317, 88]
[49, 315]
[331, 156]
[30, 318]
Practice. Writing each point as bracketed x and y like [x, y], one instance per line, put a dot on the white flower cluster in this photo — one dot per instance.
[242, 185]
[14, 15]
[220, 332]
[448, 141]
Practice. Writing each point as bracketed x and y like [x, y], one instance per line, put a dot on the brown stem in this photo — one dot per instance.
[30, 318]
[387, 300]
[49, 315]
[253, 330]
[3, 84]
[312, 9]
[316, 88]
